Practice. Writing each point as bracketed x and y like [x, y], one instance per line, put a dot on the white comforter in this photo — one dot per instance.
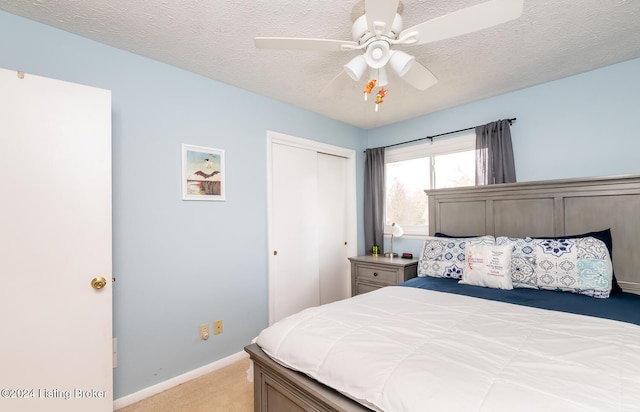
[405, 349]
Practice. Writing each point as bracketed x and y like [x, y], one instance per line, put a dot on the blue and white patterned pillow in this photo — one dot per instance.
[523, 261]
[580, 265]
[446, 257]
[577, 265]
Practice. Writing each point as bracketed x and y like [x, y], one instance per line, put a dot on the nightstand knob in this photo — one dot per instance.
[375, 273]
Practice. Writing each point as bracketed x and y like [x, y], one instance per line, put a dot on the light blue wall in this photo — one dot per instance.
[580, 126]
[178, 264]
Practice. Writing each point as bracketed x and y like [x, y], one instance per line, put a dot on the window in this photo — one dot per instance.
[411, 170]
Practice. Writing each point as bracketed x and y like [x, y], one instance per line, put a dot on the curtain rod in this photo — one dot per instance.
[441, 134]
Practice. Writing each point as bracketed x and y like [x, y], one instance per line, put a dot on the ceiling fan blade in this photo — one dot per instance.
[292, 43]
[380, 15]
[420, 77]
[474, 18]
[335, 85]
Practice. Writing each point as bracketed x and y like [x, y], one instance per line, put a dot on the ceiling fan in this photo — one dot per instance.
[380, 28]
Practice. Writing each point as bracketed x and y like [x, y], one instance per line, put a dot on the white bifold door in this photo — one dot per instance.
[55, 246]
[311, 225]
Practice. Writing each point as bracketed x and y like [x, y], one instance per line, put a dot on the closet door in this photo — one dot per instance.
[332, 228]
[294, 270]
[312, 223]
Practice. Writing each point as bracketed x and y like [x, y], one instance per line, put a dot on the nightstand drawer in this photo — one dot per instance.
[365, 287]
[376, 274]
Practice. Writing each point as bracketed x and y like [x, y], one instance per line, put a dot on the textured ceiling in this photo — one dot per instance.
[552, 39]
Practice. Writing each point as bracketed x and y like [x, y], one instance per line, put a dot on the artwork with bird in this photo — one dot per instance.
[203, 173]
[206, 175]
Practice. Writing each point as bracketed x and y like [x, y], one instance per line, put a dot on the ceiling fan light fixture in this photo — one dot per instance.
[377, 54]
[356, 67]
[401, 62]
[380, 75]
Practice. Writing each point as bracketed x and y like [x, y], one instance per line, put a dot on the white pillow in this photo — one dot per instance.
[488, 266]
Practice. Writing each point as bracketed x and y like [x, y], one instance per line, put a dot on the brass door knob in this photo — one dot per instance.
[98, 282]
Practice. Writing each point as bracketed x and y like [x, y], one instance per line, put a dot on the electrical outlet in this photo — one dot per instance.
[217, 327]
[204, 331]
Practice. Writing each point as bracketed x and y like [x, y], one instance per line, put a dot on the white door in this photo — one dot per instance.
[55, 237]
[294, 262]
[312, 220]
[332, 229]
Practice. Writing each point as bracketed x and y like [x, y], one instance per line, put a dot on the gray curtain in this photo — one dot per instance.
[374, 199]
[494, 154]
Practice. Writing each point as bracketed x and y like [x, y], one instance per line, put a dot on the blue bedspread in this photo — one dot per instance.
[620, 306]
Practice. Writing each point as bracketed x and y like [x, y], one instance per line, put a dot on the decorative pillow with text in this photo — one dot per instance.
[488, 266]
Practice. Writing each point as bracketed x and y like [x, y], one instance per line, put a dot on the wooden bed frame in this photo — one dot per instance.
[279, 389]
[551, 208]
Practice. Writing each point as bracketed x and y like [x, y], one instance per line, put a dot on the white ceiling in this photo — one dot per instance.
[551, 40]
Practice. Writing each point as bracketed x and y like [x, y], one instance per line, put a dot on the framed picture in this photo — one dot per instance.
[202, 173]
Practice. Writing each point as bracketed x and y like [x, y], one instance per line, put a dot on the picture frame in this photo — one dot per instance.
[203, 173]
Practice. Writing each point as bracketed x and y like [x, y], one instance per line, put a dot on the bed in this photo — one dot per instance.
[435, 344]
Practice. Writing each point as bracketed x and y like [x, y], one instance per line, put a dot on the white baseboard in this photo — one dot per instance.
[180, 379]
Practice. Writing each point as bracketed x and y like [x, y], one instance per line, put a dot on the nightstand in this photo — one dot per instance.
[373, 272]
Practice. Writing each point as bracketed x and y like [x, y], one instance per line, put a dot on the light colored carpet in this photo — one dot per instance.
[224, 390]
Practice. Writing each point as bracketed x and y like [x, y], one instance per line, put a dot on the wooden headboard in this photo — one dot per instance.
[549, 208]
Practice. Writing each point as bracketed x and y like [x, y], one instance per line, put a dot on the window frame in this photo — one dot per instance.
[464, 142]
